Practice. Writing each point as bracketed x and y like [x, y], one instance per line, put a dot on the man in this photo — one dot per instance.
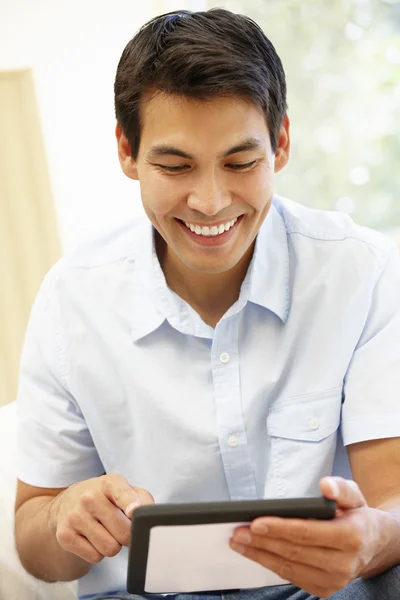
[212, 351]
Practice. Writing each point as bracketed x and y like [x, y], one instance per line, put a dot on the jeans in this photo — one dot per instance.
[383, 587]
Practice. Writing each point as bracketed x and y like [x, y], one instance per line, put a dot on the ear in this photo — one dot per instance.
[283, 149]
[126, 161]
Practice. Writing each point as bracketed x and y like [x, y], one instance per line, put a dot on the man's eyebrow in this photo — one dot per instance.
[165, 149]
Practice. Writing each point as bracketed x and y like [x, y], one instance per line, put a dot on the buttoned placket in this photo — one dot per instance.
[228, 405]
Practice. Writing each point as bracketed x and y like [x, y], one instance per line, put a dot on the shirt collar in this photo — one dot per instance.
[266, 282]
[151, 296]
[268, 276]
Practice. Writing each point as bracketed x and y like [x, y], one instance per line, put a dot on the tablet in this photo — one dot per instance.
[184, 548]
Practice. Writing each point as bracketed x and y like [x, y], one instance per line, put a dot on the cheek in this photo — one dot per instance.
[159, 197]
[257, 194]
[264, 187]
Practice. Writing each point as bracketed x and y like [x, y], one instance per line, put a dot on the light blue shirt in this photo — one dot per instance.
[119, 374]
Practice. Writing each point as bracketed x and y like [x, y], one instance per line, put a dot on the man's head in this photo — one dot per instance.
[200, 101]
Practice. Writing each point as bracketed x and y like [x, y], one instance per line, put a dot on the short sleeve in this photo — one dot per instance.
[371, 408]
[54, 445]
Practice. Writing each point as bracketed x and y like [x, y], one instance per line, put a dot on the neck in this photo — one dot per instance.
[210, 295]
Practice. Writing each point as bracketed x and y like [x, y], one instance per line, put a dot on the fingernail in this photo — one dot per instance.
[259, 528]
[242, 537]
[353, 484]
[130, 508]
[334, 488]
[238, 548]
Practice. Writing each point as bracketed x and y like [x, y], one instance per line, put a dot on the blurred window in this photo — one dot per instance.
[342, 63]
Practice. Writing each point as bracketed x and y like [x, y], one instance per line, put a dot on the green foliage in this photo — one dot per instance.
[342, 62]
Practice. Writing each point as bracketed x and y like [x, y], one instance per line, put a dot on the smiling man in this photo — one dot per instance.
[232, 345]
[206, 171]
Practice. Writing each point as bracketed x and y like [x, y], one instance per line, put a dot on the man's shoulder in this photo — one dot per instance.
[107, 246]
[329, 225]
[100, 255]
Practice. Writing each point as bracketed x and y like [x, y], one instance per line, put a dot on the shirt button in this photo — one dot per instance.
[232, 441]
[313, 423]
[224, 357]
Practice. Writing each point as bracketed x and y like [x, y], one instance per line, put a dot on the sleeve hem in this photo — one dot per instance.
[55, 479]
[373, 427]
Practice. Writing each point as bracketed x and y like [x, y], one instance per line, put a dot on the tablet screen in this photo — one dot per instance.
[201, 560]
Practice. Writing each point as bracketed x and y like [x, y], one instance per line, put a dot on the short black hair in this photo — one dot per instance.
[200, 55]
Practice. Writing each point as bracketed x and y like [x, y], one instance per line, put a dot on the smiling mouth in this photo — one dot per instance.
[210, 231]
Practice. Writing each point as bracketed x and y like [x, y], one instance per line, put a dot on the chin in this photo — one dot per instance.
[210, 269]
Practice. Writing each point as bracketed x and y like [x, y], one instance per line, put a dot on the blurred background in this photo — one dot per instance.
[60, 180]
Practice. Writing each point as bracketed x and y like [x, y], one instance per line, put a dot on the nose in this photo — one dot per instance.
[209, 197]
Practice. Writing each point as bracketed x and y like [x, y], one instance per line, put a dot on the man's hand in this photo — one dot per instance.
[92, 518]
[320, 557]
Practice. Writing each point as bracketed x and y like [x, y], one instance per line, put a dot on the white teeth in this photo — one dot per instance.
[211, 231]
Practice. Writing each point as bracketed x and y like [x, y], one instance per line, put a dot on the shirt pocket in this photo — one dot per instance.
[302, 433]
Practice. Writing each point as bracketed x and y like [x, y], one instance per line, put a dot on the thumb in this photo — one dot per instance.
[345, 491]
[143, 498]
[119, 491]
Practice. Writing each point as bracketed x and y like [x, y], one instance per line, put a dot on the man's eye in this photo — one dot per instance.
[240, 166]
[235, 167]
[172, 169]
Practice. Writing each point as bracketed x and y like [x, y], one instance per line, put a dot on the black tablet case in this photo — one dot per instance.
[235, 512]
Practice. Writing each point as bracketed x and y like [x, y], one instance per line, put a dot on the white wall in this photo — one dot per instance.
[73, 48]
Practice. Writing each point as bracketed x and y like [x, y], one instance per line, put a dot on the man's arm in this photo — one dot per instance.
[59, 536]
[322, 557]
[376, 469]
[35, 536]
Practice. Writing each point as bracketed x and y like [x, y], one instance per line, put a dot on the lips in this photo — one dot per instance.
[210, 240]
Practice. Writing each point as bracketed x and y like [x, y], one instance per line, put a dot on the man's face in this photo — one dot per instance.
[206, 166]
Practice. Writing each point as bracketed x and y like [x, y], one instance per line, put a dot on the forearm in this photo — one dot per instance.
[388, 523]
[37, 545]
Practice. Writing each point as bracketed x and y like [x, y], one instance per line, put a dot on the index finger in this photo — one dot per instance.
[114, 521]
[304, 532]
